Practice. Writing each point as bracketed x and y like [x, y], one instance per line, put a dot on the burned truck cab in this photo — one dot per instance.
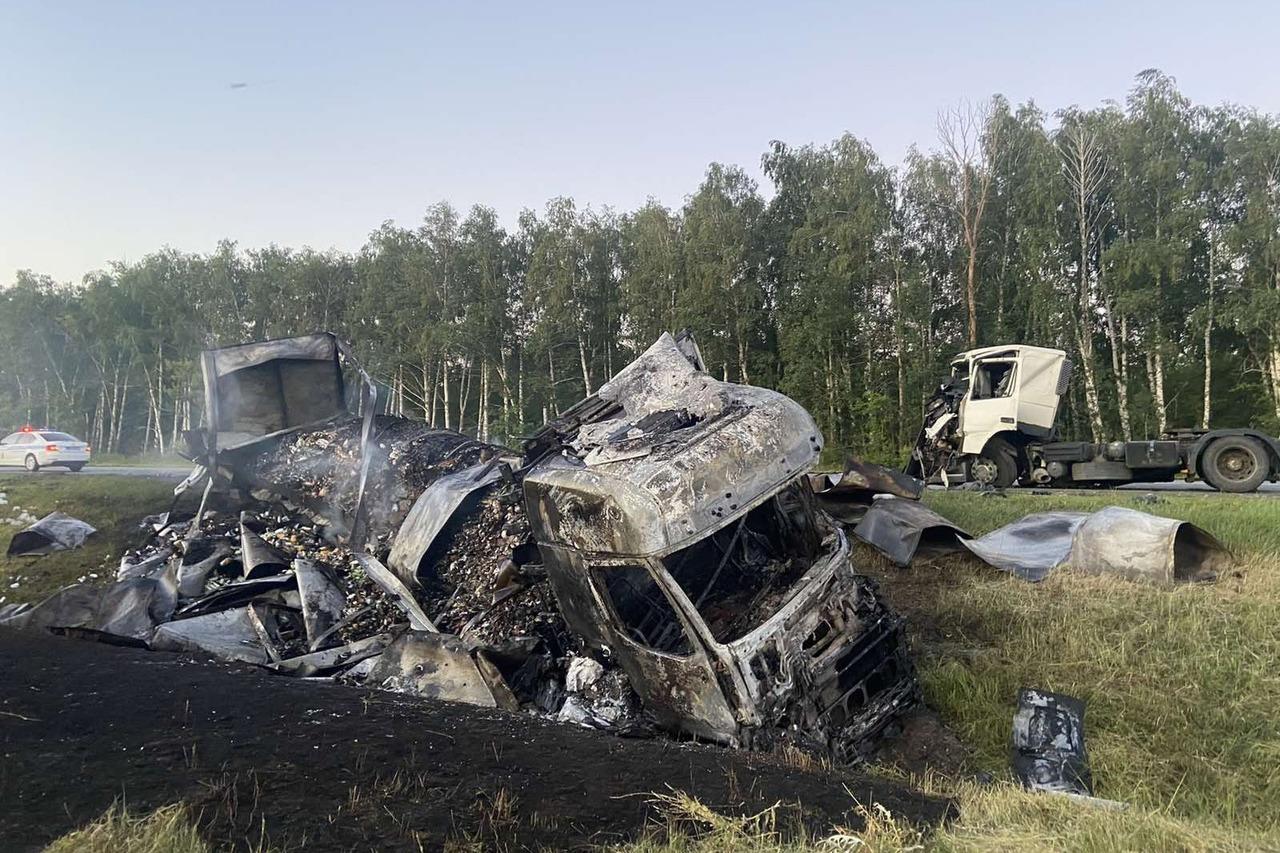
[679, 531]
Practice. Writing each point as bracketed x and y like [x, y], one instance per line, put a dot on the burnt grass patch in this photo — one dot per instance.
[290, 763]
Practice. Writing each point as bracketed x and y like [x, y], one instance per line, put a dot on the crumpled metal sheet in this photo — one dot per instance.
[135, 567]
[847, 495]
[258, 558]
[57, 531]
[439, 666]
[433, 509]
[1048, 752]
[1112, 541]
[130, 608]
[333, 660]
[322, 600]
[899, 528]
[1032, 546]
[385, 578]
[227, 635]
[235, 594]
[1135, 545]
[201, 557]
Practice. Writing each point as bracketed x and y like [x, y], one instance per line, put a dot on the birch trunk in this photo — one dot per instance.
[444, 388]
[586, 371]
[1208, 346]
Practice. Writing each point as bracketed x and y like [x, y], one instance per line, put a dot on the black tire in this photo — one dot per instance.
[75, 466]
[31, 463]
[996, 465]
[1235, 463]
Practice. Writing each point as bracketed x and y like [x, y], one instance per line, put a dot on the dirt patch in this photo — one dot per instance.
[335, 768]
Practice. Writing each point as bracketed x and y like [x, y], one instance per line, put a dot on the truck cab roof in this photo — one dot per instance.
[1010, 349]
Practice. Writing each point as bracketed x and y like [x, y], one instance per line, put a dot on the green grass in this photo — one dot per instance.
[114, 505]
[1182, 684]
[142, 460]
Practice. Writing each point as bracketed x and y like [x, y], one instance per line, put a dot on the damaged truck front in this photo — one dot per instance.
[679, 531]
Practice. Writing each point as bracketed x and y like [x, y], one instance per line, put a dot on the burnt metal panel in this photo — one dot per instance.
[57, 531]
[899, 528]
[1048, 752]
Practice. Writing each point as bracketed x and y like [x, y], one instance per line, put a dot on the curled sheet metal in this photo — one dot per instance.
[1032, 546]
[900, 529]
[131, 608]
[1048, 743]
[201, 557]
[1138, 546]
[322, 600]
[228, 635]
[334, 659]
[258, 558]
[431, 512]
[1112, 541]
[235, 594]
[846, 495]
[133, 567]
[57, 531]
[438, 666]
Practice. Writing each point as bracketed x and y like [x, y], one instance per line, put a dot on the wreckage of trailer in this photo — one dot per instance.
[655, 553]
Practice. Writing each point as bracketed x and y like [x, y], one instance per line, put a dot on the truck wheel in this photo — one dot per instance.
[1235, 463]
[997, 465]
[30, 463]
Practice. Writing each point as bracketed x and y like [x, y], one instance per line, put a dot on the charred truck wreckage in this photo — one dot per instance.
[655, 555]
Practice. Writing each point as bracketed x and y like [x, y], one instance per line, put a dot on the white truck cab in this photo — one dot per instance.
[993, 423]
[1009, 389]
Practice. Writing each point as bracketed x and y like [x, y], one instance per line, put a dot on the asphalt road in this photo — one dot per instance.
[174, 474]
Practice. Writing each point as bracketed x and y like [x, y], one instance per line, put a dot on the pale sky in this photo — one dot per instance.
[125, 127]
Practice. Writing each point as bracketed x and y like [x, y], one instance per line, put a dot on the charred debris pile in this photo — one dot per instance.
[655, 559]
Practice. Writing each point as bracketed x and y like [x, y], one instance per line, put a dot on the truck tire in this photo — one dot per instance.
[1235, 463]
[996, 465]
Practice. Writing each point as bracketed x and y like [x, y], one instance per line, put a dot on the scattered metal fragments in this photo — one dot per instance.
[657, 553]
[1048, 752]
[846, 496]
[57, 531]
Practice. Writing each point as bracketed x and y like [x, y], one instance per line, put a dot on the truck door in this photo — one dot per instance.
[668, 667]
[991, 405]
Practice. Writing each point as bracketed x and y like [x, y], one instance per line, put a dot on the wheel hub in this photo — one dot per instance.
[1237, 464]
[984, 471]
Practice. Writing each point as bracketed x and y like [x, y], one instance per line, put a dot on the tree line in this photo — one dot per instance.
[1142, 237]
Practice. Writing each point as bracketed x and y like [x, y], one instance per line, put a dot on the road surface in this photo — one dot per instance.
[174, 474]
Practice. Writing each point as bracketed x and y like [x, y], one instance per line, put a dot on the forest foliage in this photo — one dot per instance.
[1141, 236]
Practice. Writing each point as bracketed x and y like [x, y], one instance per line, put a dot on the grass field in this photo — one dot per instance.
[1182, 684]
[145, 460]
[113, 505]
